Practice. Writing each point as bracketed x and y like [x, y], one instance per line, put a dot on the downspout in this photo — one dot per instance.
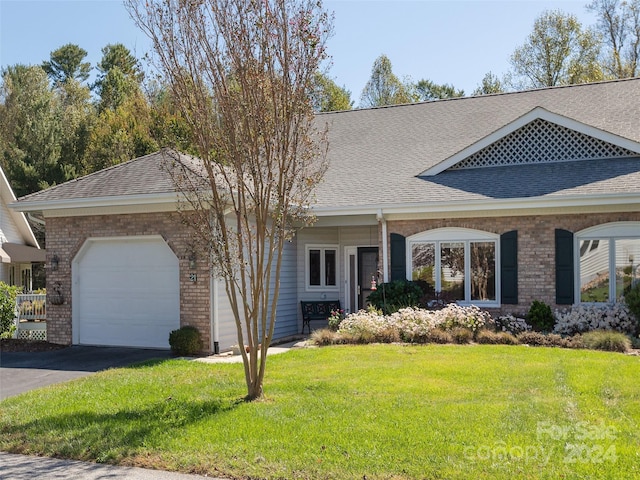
[385, 247]
[213, 313]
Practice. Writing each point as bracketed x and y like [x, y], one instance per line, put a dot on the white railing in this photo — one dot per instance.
[31, 306]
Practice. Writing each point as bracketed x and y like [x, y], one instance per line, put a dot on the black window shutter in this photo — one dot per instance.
[509, 267]
[398, 257]
[564, 267]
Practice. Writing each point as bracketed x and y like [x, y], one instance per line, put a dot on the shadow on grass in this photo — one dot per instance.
[108, 437]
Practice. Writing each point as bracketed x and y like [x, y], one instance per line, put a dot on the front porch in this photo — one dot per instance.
[31, 316]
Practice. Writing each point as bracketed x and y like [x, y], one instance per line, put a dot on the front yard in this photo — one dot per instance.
[374, 411]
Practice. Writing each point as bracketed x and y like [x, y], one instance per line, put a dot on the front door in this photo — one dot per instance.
[367, 273]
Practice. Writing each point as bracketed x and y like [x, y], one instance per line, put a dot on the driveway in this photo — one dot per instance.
[24, 371]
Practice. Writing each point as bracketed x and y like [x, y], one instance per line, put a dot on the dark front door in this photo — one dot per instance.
[367, 271]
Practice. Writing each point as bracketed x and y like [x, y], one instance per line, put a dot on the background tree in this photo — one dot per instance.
[384, 88]
[327, 96]
[67, 63]
[490, 84]
[619, 27]
[242, 73]
[428, 90]
[123, 128]
[557, 52]
[31, 130]
[77, 116]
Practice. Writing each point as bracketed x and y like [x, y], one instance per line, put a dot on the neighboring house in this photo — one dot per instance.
[19, 248]
[496, 200]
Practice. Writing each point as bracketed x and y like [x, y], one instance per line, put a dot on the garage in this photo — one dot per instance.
[126, 292]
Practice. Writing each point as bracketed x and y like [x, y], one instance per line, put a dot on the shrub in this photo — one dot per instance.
[454, 316]
[335, 319]
[393, 296]
[413, 324]
[535, 339]
[632, 300]
[324, 337]
[363, 322]
[7, 309]
[496, 338]
[185, 341]
[439, 336]
[584, 318]
[461, 335]
[511, 324]
[606, 340]
[540, 317]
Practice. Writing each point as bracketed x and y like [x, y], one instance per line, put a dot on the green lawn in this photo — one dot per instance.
[380, 411]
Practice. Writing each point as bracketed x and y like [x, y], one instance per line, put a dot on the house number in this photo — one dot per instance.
[193, 277]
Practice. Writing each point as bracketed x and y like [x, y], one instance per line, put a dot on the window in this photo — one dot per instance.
[608, 261]
[459, 262]
[322, 267]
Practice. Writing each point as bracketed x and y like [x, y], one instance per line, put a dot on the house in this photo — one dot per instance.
[19, 249]
[495, 200]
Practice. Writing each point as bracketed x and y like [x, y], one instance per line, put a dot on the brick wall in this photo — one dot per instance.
[66, 235]
[536, 245]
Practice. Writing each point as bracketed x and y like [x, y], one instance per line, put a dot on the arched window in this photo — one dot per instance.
[458, 262]
[608, 256]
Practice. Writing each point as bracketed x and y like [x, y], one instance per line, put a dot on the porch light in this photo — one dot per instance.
[54, 262]
[192, 261]
[374, 284]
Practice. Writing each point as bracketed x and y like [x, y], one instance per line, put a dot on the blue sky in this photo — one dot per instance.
[455, 41]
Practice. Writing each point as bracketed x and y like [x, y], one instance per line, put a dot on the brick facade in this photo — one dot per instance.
[536, 245]
[66, 235]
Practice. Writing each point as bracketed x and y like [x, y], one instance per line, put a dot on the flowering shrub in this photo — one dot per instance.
[512, 324]
[414, 324]
[453, 316]
[363, 322]
[584, 318]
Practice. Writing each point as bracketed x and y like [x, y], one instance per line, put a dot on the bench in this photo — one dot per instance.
[317, 310]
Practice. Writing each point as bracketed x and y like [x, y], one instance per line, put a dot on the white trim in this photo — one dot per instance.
[348, 251]
[19, 219]
[385, 248]
[611, 230]
[96, 202]
[535, 114]
[448, 234]
[323, 248]
[458, 235]
[483, 205]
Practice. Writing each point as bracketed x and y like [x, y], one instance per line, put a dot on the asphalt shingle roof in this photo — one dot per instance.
[376, 155]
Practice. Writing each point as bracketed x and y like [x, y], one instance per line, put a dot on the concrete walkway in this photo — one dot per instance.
[230, 358]
[24, 467]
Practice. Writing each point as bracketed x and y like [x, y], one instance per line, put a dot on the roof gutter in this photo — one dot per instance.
[482, 205]
[97, 202]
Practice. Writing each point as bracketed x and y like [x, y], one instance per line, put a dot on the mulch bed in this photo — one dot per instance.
[21, 345]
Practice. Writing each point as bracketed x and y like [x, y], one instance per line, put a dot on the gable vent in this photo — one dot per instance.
[541, 141]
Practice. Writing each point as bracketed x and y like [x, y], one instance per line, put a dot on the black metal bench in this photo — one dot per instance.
[317, 310]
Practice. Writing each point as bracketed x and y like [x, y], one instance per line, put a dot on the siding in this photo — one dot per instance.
[360, 236]
[287, 309]
[8, 230]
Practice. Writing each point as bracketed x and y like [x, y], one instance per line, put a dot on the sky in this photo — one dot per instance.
[455, 41]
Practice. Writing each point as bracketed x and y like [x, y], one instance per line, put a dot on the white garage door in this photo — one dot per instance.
[126, 292]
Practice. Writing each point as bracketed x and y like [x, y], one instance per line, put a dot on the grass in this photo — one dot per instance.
[374, 411]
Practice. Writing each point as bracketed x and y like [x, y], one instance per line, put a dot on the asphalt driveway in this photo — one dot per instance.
[24, 371]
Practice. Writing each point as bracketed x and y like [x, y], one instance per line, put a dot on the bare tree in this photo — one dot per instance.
[241, 72]
[619, 25]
